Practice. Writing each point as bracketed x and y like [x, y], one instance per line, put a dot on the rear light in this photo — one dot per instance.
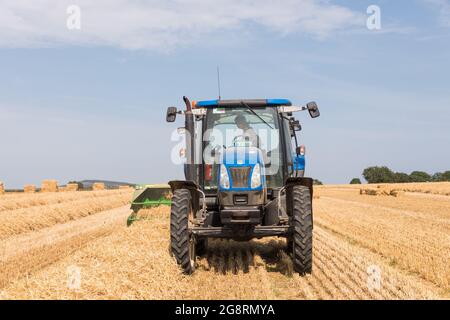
[208, 172]
[302, 150]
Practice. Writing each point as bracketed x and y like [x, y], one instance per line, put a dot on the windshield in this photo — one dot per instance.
[236, 127]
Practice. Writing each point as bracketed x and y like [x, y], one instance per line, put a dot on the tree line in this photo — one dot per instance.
[386, 175]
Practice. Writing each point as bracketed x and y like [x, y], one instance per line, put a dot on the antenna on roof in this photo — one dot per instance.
[218, 81]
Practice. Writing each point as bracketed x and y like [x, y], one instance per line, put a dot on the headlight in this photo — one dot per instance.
[256, 176]
[224, 178]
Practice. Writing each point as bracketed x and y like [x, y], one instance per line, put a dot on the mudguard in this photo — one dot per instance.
[302, 181]
[190, 185]
[182, 184]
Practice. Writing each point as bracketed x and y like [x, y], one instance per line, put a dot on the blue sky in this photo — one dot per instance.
[90, 103]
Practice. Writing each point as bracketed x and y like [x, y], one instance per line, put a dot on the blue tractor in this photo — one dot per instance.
[244, 178]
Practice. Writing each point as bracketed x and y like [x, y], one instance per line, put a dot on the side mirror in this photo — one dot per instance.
[295, 125]
[313, 109]
[171, 114]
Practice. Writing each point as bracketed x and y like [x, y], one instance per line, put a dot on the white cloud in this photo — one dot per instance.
[164, 24]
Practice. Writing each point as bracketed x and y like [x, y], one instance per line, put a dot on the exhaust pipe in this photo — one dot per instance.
[190, 141]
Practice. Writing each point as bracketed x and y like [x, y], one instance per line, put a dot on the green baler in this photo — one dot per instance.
[151, 195]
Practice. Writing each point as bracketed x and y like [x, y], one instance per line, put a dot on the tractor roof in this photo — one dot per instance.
[238, 103]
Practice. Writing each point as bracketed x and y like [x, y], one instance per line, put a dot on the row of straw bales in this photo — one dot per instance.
[49, 186]
[98, 186]
[29, 188]
[52, 186]
[69, 187]
[381, 191]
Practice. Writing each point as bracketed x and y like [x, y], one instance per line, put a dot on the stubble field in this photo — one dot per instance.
[365, 247]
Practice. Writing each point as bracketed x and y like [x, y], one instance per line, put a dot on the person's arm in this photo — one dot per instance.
[254, 138]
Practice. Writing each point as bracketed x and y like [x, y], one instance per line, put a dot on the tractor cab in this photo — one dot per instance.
[244, 172]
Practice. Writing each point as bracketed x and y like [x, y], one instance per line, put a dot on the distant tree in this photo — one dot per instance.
[438, 176]
[441, 176]
[317, 182]
[378, 175]
[355, 181]
[400, 177]
[446, 176]
[420, 176]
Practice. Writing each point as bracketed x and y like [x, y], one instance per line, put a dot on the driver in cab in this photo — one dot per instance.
[248, 132]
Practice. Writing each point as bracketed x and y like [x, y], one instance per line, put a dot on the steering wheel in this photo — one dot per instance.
[241, 141]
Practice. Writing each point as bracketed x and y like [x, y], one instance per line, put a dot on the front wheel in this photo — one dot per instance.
[182, 242]
[301, 242]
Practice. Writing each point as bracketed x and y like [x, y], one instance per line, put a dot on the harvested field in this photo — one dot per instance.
[15, 201]
[31, 216]
[364, 248]
[414, 237]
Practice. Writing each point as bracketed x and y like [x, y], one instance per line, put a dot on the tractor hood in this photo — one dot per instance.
[242, 169]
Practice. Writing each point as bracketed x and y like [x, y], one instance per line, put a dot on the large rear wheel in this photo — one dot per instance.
[301, 241]
[182, 242]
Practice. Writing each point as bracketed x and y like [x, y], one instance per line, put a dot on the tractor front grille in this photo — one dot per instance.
[240, 176]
